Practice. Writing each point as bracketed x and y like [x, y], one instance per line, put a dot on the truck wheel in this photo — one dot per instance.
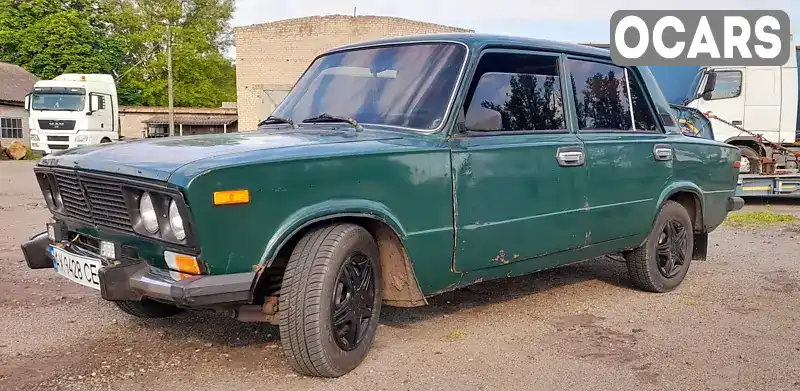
[105, 140]
[147, 308]
[753, 157]
[661, 263]
[330, 300]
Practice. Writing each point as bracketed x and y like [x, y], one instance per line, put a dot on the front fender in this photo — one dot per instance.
[329, 209]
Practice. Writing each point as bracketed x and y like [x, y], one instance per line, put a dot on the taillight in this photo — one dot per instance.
[737, 164]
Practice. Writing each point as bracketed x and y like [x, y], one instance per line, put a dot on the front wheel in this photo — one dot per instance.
[330, 300]
[661, 263]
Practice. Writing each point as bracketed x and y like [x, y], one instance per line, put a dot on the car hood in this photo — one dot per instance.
[159, 158]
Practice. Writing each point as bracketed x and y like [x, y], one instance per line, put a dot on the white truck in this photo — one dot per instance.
[73, 110]
[755, 108]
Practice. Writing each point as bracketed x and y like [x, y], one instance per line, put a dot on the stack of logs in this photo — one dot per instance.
[15, 151]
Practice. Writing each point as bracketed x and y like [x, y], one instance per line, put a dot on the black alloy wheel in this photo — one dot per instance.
[353, 301]
[671, 249]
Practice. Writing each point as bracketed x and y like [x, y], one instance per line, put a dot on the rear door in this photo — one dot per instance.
[519, 190]
[628, 158]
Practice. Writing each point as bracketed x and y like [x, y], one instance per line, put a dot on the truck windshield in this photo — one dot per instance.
[58, 102]
[402, 85]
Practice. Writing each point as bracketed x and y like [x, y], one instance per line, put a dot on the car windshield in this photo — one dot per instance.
[58, 102]
[403, 85]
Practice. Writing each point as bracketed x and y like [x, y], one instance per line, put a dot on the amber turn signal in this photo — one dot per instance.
[182, 263]
[231, 197]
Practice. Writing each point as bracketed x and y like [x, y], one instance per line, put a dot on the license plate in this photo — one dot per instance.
[76, 268]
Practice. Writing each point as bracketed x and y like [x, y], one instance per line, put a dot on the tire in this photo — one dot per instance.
[647, 268]
[310, 290]
[105, 140]
[753, 157]
[148, 308]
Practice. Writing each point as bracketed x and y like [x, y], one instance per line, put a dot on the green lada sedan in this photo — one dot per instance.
[393, 171]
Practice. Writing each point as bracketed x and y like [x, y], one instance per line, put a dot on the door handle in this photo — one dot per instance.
[662, 152]
[737, 123]
[570, 156]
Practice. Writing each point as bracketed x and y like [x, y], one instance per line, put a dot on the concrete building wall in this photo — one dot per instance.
[7, 111]
[271, 57]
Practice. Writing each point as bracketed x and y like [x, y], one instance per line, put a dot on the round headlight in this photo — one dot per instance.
[176, 222]
[148, 213]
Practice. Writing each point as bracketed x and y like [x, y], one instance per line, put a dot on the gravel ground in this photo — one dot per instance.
[731, 325]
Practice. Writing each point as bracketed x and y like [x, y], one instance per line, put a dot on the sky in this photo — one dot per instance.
[564, 20]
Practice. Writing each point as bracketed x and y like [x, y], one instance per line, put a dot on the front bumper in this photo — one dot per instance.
[135, 280]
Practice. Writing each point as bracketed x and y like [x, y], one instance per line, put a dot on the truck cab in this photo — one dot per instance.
[761, 99]
[72, 110]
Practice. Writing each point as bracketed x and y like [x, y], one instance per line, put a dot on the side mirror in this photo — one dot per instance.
[94, 103]
[28, 102]
[483, 119]
[711, 84]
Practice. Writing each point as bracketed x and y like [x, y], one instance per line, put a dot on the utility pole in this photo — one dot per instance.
[169, 82]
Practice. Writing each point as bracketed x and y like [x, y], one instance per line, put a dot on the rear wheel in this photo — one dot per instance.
[146, 308]
[753, 158]
[661, 263]
[330, 300]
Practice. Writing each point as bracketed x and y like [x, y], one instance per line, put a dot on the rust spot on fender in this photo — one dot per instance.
[501, 258]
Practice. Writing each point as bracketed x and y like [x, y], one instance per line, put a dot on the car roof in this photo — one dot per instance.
[478, 40]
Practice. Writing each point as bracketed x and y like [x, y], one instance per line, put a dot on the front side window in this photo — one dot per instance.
[609, 98]
[11, 127]
[403, 85]
[729, 85]
[524, 89]
[57, 102]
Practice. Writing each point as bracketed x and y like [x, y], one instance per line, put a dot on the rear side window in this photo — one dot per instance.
[524, 89]
[604, 101]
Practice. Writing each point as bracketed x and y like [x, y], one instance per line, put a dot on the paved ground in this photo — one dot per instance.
[733, 324]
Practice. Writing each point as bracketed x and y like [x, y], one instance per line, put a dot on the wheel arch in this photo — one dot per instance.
[750, 142]
[690, 197]
[400, 285]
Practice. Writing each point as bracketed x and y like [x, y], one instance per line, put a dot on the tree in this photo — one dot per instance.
[126, 38]
[200, 33]
[49, 37]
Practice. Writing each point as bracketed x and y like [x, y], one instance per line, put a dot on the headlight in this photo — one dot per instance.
[148, 214]
[176, 222]
[81, 138]
[34, 137]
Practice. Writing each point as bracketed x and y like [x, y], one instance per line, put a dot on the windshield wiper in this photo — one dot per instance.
[277, 120]
[325, 117]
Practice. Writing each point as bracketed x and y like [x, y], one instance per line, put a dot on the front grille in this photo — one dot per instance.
[58, 138]
[93, 200]
[58, 146]
[51, 124]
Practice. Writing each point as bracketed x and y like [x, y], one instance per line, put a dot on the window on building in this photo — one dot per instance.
[11, 127]
[603, 101]
[524, 89]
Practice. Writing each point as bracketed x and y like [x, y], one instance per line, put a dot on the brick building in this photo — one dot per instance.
[15, 83]
[271, 57]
